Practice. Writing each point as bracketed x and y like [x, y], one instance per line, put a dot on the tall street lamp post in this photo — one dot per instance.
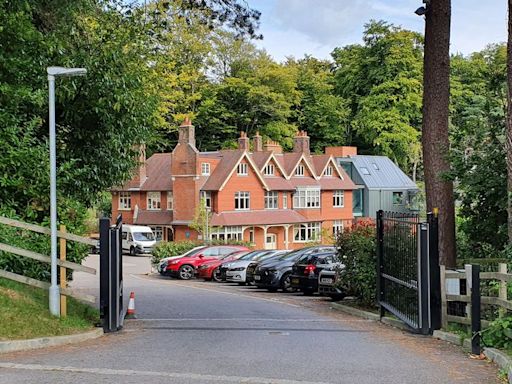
[54, 292]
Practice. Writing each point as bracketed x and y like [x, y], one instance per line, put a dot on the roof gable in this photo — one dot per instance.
[227, 166]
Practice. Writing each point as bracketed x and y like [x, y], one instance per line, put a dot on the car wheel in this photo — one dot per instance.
[272, 289]
[216, 275]
[286, 284]
[186, 272]
[132, 251]
[308, 291]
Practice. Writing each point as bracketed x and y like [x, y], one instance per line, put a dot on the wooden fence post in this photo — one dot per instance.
[503, 288]
[63, 278]
[444, 305]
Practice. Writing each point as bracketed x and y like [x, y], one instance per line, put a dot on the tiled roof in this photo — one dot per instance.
[264, 217]
[158, 171]
[260, 158]
[331, 183]
[319, 162]
[222, 171]
[277, 183]
[146, 217]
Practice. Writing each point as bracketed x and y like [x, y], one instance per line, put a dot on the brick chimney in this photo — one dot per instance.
[187, 133]
[140, 173]
[301, 142]
[341, 151]
[257, 142]
[273, 146]
[243, 141]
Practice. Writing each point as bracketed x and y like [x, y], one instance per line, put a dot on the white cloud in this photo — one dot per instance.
[297, 27]
[323, 21]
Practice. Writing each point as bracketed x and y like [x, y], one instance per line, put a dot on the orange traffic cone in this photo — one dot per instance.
[130, 313]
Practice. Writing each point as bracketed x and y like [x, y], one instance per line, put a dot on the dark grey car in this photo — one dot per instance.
[275, 274]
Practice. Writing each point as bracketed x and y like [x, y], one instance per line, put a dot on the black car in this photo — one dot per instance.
[307, 268]
[275, 274]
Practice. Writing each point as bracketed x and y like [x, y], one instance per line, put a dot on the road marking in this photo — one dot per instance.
[244, 319]
[174, 375]
[168, 282]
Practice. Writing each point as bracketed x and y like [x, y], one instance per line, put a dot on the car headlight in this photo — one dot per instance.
[273, 271]
[238, 269]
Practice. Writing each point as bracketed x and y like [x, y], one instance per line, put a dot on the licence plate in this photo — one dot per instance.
[257, 277]
[326, 281]
[295, 281]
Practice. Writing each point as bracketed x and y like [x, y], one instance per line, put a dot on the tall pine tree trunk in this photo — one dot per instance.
[436, 99]
[508, 143]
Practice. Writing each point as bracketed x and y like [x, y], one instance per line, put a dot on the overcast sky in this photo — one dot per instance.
[298, 27]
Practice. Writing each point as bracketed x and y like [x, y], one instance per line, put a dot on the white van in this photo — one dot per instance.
[137, 239]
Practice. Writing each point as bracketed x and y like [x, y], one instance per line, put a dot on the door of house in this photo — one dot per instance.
[271, 241]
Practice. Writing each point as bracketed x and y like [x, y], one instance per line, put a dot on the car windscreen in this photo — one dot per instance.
[250, 255]
[143, 236]
[193, 251]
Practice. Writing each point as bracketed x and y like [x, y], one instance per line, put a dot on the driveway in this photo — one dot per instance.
[198, 332]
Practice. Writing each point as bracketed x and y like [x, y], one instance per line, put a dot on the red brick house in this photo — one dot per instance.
[270, 198]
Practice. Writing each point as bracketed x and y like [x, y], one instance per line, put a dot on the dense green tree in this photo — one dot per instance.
[478, 112]
[381, 81]
[320, 112]
[259, 99]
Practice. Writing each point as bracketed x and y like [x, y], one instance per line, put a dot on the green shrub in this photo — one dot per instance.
[172, 249]
[496, 334]
[356, 249]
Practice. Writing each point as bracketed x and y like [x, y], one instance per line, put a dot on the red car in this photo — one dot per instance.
[211, 271]
[185, 267]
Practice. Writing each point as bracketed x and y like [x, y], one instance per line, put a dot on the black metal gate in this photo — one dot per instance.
[111, 275]
[408, 283]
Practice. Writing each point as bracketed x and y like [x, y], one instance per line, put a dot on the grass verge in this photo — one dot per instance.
[24, 314]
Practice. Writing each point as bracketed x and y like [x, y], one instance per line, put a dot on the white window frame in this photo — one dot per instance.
[153, 201]
[227, 233]
[338, 198]
[285, 200]
[125, 201]
[306, 232]
[337, 227]
[271, 200]
[207, 196]
[243, 200]
[242, 169]
[269, 170]
[170, 201]
[158, 230]
[299, 171]
[328, 171]
[205, 169]
[307, 198]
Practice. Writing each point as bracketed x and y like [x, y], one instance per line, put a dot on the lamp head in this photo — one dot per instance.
[62, 71]
[421, 11]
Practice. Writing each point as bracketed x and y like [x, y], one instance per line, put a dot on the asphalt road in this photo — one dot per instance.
[198, 332]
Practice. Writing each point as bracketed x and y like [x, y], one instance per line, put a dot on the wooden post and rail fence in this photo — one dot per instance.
[473, 298]
[61, 262]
